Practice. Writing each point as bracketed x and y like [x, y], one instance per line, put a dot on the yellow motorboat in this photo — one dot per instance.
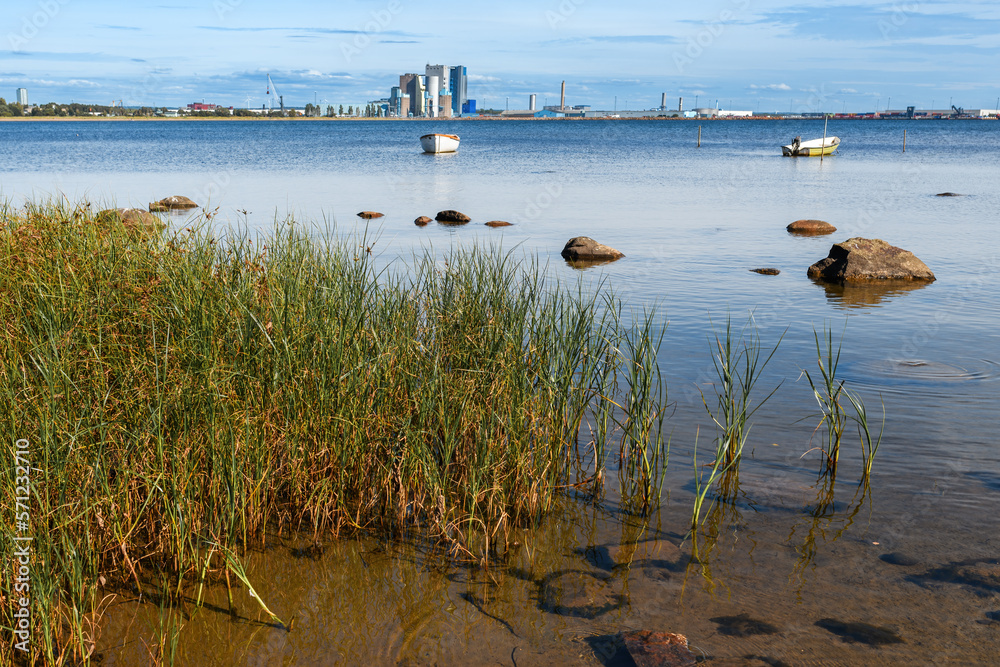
[813, 148]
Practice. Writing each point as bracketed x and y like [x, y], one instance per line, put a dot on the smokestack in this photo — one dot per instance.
[562, 97]
[531, 103]
[433, 88]
[680, 104]
[663, 102]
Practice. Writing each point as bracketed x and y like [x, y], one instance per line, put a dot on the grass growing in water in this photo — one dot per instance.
[829, 391]
[181, 394]
[739, 361]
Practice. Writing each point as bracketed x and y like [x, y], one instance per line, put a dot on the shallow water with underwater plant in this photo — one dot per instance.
[795, 568]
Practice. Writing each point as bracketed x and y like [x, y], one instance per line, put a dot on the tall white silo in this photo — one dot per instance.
[433, 88]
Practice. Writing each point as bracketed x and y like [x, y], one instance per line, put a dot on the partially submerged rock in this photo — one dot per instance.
[586, 249]
[653, 550]
[658, 649]
[743, 625]
[174, 203]
[767, 272]
[810, 228]
[133, 218]
[370, 215]
[948, 194]
[422, 220]
[498, 223]
[580, 594]
[896, 558]
[859, 633]
[859, 259]
[452, 217]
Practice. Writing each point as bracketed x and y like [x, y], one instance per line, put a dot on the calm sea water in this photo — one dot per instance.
[692, 222]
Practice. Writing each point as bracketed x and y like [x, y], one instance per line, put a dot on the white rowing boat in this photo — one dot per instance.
[439, 143]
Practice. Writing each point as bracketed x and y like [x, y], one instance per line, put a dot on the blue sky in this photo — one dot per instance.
[746, 54]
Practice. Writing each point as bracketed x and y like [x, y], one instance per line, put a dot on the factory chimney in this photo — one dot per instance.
[663, 102]
[680, 104]
[562, 97]
[531, 103]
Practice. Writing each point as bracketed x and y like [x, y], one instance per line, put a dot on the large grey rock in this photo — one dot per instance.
[859, 259]
[584, 248]
[174, 203]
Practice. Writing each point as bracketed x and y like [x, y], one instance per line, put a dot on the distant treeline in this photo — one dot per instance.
[53, 109]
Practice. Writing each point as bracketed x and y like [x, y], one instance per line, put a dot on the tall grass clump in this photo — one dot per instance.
[644, 451]
[829, 391]
[739, 360]
[183, 395]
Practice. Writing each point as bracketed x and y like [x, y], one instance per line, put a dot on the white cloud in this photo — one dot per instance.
[771, 86]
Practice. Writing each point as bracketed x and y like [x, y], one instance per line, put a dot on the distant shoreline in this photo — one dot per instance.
[91, 119]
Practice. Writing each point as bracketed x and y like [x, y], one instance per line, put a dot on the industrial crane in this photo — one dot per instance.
[281, 98]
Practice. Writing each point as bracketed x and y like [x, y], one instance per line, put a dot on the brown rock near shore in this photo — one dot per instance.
[174, 203]
[766, 272]
[452, 217]
[370, 215]
[133, 218]
[498, 223]
[422, 221]
[810, 228]
[586, 249]
[658, 649]
[859, 259]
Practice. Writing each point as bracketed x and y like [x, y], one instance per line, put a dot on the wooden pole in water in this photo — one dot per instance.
[822, 150]
[904, 141]
[699, 136]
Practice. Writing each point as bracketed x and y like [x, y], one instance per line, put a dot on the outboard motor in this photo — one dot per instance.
[795, 145]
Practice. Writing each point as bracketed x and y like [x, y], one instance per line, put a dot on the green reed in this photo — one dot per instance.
[829, 392]
[182, 391]
[739, 361]
[869, 444]
[643, 460]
